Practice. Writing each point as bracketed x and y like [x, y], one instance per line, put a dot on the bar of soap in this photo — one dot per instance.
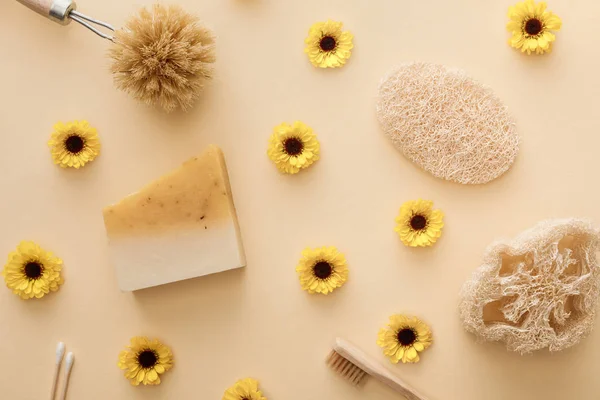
[181, 226]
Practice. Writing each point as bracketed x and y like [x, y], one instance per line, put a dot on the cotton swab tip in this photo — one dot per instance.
[60, 352]
[70, 360]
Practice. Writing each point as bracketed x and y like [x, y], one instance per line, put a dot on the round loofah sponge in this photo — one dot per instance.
[537, 291]
[446, 123]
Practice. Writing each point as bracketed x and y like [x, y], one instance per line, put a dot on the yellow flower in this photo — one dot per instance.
[419, 225]
[403, 338]
[144, 360]
[32, 271]
[327, 45]
[322, 270]
[74, 144]
[293, 147]
[531, 26]
[244, 389]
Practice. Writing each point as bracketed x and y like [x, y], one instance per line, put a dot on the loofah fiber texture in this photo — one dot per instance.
[537, 291]
[447, 123]
[163, 56]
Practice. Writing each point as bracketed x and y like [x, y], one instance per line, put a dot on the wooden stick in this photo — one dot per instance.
[70, 359]
[374, 369]
[60, 352]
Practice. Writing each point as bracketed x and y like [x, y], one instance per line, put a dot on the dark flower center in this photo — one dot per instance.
[406, 336]
[33, 270]
[533, 26]
[418, 222]
[74, 144]
[293, 146]
[327, 43]
[322, 270]
[147, 359]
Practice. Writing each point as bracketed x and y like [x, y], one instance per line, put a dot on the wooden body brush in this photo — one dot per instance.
[63, 11]
[356, 366]
[162, 56]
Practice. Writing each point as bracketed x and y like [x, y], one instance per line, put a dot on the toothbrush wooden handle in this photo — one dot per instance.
[398, 385]
[55, 10]
[375, 370]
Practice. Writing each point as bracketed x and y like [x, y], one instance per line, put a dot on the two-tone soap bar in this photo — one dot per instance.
[181, 226]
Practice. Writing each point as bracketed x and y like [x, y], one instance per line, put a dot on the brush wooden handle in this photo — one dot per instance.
[374, 369]
[41, 7]
[55, 10]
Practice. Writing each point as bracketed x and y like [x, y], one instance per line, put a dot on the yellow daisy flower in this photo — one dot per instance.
[74, 144]
[322, 270]
[244, 389]
[32, 271]
[144, 360]
[419, 225]
[293, 147]
[403, 338]
[327, 45]
[531, 26]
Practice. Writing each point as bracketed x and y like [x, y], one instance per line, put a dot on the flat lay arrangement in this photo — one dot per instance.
[279, 207]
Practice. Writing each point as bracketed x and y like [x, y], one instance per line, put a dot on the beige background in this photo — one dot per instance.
[257, 322]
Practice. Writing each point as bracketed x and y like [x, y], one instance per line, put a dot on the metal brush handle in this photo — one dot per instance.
[63, 11]
[56, 10]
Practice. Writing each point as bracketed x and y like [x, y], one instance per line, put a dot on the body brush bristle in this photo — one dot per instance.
[163, 56]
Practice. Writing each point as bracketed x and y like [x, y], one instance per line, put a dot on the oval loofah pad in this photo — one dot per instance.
[537, 291]
[446, 123]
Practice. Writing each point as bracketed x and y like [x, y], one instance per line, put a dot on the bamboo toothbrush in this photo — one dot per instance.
[356, 366]
[60, 352]
[69, 360]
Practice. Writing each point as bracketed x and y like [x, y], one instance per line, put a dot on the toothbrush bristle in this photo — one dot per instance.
[355, 375]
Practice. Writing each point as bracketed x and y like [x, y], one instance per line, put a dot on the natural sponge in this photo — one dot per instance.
[447, 123]
[536, 291]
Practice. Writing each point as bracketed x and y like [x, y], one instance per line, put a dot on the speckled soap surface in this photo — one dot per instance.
[180, 226]
[256, 321]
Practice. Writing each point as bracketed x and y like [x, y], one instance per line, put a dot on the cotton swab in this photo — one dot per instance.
[70, 359]
[60, 352]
